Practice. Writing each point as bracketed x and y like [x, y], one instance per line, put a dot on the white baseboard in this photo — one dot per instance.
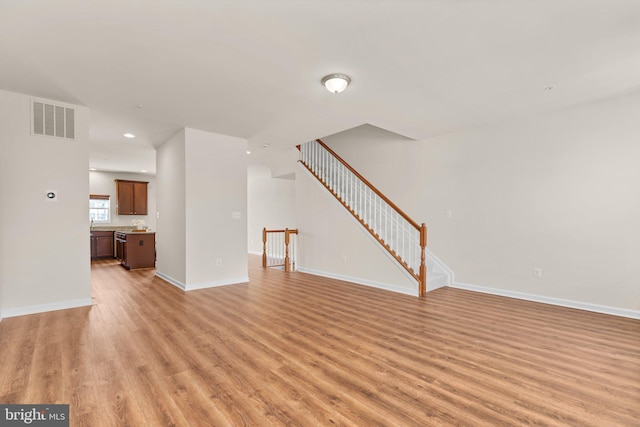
[171, 280]
[232, 281]
[633, 314]
[186, 288]
[43, 308]
[359, 281]
[255, 253]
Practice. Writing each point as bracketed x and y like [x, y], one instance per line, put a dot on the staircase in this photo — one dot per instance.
[402, 237]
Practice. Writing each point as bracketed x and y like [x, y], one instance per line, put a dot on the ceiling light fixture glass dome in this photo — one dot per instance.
[336, 83]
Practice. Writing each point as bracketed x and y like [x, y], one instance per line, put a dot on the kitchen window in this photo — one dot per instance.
[99, 208]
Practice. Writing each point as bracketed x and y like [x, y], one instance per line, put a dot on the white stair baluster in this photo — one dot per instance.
[386, 224]
[315, 158]
[322, 155]
[324, 165]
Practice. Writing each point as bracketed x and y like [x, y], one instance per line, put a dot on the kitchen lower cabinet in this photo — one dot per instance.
[120, 241]
[101, 244]
[136, 250]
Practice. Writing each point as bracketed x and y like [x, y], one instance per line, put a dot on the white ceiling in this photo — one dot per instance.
[252, 68]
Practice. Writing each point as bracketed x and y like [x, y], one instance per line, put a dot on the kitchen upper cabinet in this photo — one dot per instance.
[131, 197]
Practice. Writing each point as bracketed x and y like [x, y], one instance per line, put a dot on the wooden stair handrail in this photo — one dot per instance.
[371, 186]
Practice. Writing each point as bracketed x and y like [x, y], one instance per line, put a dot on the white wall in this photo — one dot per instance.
[201, 181]
[44, 245]
[271, 204]
[104, 183]
[557, 191]
[216, 187]
[171, 201]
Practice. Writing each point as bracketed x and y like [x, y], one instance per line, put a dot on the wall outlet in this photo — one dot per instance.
[218, 261]
[449, 214]
[236, 215]
[537, 272]
[157, 214]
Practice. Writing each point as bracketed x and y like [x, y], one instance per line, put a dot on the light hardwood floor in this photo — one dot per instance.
[294, 349]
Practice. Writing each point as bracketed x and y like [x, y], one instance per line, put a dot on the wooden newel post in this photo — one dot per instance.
[264, 247]
[423, 265]
[286, 250]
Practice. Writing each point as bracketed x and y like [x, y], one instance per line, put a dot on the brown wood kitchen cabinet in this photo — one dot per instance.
[101, 244]
[131, 197]
[136, 250]
[121, 245]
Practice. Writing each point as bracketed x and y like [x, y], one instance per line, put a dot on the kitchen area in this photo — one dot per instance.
[122, 218]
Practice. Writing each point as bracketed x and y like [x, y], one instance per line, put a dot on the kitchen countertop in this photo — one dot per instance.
[137, 232]
[111, 228]
[124, 229]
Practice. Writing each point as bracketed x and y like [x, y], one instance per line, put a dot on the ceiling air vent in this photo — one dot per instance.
[53, 120]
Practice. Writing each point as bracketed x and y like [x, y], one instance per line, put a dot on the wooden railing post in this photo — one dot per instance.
[264, 247]
[286, 250]
[423, 265]
[276, 247]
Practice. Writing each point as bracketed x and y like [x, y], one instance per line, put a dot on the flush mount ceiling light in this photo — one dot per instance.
[129, 135]
[336, 83]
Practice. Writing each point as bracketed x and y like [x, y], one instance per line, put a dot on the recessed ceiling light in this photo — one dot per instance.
[93, 169]
[143, 171]
[248, 151]
[129, 135]
[265, 145]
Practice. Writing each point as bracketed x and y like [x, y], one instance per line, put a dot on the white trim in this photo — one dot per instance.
[43, 308]
[371, 283]
[633, 314]
[430, 280]
[171, 280]
[441, 265]
[186, 288]
[233, 281]
[255, 253]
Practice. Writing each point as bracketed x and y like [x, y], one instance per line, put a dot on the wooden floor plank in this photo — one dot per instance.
[295, 349]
